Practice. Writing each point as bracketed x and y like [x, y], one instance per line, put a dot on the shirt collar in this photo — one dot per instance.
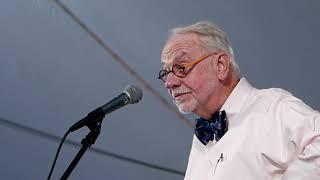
[237, 99]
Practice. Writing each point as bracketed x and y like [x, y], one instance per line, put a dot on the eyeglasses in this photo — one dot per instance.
[180, 70]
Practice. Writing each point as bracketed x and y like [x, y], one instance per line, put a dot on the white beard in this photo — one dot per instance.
[186, 107]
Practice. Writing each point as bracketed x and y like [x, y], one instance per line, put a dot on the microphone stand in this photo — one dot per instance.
[86, 143]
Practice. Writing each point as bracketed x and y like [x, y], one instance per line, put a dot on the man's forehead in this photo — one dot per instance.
[180, 41]
[172, 58]
[178, 45]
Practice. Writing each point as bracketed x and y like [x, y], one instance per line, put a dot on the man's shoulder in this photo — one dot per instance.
[273, 98]
[264, 99]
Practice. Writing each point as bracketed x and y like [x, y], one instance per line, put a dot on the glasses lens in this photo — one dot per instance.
[163, 75]
[178, 70]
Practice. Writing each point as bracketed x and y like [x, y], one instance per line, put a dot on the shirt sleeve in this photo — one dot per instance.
[303, 125]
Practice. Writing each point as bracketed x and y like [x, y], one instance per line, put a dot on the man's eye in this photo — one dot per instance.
[179, 69]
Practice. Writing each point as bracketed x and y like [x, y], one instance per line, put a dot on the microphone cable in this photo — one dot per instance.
[57, 153]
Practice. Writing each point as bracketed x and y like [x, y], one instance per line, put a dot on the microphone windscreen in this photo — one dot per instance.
[134, 92]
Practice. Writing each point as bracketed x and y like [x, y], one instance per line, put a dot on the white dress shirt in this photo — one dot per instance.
[271, 135]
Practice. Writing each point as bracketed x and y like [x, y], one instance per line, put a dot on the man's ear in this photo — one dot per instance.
[223, 66]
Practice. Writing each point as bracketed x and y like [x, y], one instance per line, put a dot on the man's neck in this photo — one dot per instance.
[215, 103]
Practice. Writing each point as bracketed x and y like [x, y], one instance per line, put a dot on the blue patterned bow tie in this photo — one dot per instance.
[215, 128]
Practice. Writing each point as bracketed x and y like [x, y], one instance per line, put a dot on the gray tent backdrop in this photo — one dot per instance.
[61, 59]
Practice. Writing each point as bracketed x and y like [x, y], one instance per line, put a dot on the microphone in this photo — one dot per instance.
[131, 95]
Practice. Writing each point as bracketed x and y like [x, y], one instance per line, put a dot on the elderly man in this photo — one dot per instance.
[242, 132]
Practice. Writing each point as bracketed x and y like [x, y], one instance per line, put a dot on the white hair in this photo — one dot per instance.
[212, 37]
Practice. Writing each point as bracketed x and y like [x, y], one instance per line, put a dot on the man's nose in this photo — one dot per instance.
[172, 81]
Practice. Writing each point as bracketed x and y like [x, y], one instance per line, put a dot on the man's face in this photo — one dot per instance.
[192, 92]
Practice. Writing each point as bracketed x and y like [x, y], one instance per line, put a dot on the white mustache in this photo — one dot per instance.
[175, 93]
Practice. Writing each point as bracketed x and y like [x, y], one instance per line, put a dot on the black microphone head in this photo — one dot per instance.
[134, 93]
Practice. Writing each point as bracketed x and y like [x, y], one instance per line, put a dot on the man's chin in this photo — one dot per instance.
[185, 108]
